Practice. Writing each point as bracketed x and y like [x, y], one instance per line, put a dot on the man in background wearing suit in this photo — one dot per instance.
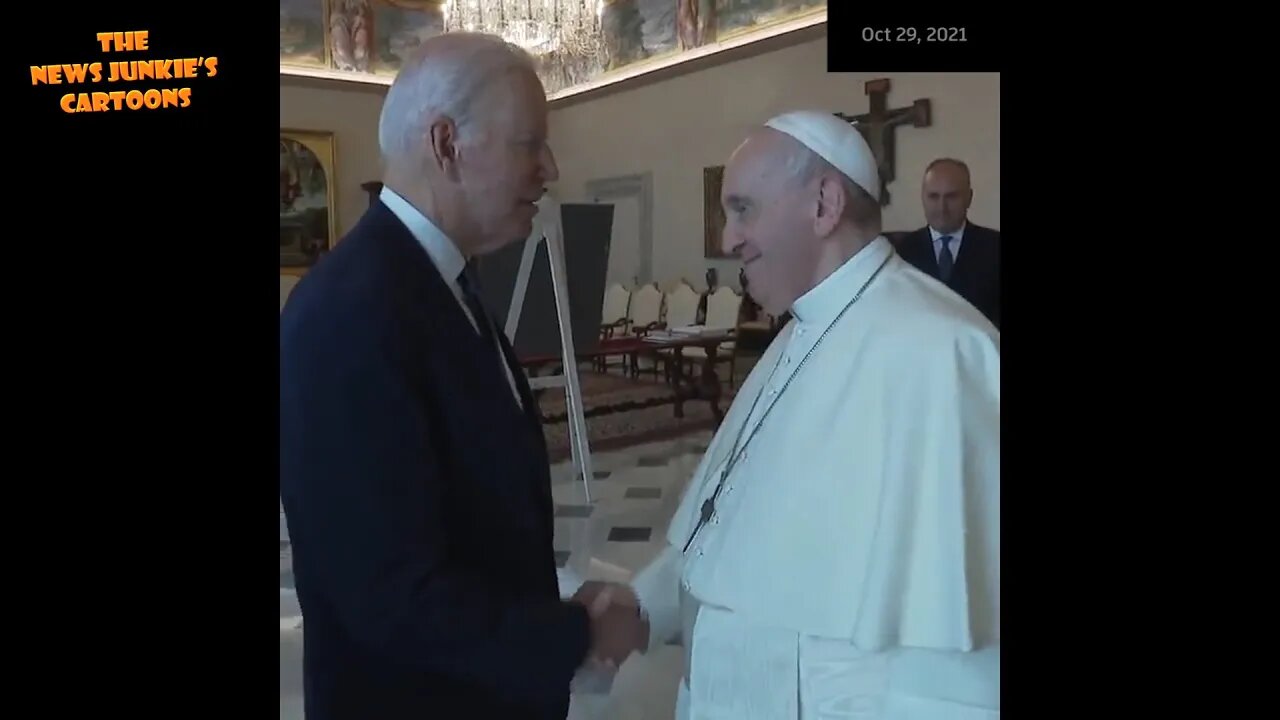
[413, 469]
[964, 256]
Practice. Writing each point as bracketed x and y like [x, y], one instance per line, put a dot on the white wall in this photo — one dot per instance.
[676, 127]
[351, 114]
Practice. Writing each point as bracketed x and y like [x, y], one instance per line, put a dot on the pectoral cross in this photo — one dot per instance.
[879, 125]
[708, 510]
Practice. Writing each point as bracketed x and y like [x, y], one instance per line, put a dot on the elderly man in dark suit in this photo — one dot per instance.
[413, 469]
[961, 254]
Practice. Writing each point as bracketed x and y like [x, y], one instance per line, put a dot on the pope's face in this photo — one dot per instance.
[766, 223]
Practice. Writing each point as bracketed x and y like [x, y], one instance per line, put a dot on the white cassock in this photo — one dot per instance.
[852, 567]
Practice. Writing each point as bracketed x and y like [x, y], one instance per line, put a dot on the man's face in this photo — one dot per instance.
[505, 163]
[766, 223]
[946, 195]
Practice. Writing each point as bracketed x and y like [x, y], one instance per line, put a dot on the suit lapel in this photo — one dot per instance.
[531, 415]
[517, 374]
[420, 277]
[968, 259]
[922, 247]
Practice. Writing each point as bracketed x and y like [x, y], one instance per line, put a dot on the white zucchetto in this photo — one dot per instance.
[836, 141]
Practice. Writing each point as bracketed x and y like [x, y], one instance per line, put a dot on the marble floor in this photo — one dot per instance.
[634, 493]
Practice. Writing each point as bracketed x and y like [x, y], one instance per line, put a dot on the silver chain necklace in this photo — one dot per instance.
[735, 454]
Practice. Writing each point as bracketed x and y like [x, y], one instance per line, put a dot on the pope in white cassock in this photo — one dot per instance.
[837, 552]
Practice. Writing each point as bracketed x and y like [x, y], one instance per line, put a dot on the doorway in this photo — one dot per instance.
[631, 241]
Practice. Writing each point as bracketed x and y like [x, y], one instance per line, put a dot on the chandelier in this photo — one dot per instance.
[540, 26]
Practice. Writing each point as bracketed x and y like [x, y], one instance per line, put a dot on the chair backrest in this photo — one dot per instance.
[646, 305]
[286, 286]
[616, 304]
[722, 308]
[682, 305]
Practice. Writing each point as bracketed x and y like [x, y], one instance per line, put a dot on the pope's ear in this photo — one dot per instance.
[831, 203]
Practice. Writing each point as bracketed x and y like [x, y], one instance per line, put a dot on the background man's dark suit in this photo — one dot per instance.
[976, 272]
[418, 499]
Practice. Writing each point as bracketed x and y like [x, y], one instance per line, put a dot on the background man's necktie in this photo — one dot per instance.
[945, 260]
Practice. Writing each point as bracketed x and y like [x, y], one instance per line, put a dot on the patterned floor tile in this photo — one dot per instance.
[630, 534]
[643, 493]
[573, 511]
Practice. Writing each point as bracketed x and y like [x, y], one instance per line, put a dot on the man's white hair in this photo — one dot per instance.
[445, 78]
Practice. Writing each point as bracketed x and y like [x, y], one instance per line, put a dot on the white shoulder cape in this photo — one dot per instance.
[868, 506]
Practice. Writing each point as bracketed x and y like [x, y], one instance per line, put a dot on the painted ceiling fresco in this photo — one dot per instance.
[575, 41]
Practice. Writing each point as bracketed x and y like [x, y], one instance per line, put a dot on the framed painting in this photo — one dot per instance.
[308, 217]
[740, 17]
[712, 212]
[399, 27]
[304, 33]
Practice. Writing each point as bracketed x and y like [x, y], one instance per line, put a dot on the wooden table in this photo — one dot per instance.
[707, 386]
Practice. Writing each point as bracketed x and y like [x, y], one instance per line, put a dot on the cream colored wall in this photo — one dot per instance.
[676, 127]
[351, 114]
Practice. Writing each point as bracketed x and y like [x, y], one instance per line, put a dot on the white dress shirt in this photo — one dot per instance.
[448, 260]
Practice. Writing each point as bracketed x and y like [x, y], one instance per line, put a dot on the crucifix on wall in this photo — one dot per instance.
[878, 127]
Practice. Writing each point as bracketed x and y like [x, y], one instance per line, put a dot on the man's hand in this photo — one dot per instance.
[616, 632]
[596, 596]
[617, 628]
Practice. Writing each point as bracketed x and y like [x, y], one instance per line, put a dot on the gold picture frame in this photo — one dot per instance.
[308, 197]
[712, 212]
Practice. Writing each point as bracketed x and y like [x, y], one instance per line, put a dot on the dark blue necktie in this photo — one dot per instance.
[476, 306]
[945, 259]
[485, 325]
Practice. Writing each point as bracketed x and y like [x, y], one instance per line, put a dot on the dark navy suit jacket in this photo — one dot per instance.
[976, 273]
[418, 498]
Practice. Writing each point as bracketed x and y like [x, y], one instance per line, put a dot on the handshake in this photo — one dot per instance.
[617, 627]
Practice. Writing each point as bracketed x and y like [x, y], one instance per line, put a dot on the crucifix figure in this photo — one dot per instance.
[878, 128]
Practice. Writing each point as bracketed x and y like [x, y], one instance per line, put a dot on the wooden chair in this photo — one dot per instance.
[682, 310]
[614, 320]
[722, 313]
[682, 305]
[647, 310]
